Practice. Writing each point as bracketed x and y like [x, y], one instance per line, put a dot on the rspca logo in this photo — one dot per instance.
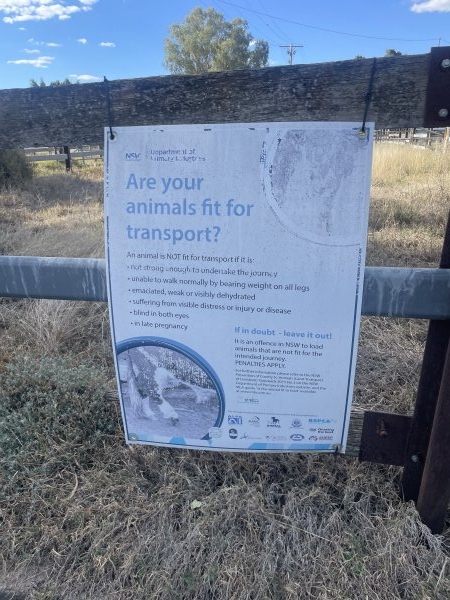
[296, 423]
[133, 156]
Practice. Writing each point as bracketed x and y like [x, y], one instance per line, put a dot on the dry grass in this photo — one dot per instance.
[58, 214]
[409, 206]
[87, 518]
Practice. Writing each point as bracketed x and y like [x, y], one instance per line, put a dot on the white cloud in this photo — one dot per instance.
[107, 44]
[82, 40]
[42, 62]
[41, 10]
[85, 78]
[48, 44]
[28, 51]
[431, 6]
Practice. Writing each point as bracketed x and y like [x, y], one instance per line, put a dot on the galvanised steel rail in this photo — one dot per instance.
[388, 291]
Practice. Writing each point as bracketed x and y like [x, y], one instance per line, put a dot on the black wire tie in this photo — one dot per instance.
[362, 131]
[108, 104]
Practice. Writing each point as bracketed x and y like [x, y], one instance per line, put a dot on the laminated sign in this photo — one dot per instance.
[235, 261]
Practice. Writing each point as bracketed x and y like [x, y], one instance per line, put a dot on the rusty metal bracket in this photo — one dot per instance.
[384, 438]
[437, 102]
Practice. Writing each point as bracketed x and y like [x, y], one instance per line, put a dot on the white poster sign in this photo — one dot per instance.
[235, 258]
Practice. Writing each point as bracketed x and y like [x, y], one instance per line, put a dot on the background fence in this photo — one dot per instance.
[419, 137]
[63, 154]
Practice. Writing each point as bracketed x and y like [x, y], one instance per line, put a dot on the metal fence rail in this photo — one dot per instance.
[388, 291]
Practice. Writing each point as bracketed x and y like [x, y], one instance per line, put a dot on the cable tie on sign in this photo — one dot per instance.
[362, 131]
[108, 106]
[336, 452]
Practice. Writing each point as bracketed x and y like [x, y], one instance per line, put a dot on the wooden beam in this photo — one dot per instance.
[76, 114]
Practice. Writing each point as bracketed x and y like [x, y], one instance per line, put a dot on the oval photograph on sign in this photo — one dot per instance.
[168, 390]
[308, 183]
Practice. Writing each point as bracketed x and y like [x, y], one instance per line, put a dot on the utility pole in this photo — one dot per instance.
[291, 51]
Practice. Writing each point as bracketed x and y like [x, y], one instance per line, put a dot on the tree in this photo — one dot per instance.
[57, 82]
[392, 52]
[206, 41]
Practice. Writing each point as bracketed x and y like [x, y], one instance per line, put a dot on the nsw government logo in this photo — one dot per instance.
[133, 156]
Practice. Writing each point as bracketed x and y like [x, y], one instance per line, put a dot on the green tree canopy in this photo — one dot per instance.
[57, 82]
[392, 52]
[206, 41]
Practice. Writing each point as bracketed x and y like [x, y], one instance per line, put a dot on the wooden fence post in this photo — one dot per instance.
[434, 494]
[68, 159]
[427, 394]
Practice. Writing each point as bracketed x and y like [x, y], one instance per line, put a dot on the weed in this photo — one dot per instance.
[15, 171]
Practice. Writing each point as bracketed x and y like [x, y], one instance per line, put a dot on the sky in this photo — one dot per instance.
[87, 40]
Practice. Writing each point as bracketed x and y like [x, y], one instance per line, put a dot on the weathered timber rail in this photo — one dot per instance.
[76, 114]
[76, 154]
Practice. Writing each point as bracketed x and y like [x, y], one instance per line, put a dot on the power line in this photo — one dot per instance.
[283, 39]
[283, 35]
[370, 37]
[211, 4]
[254, 26]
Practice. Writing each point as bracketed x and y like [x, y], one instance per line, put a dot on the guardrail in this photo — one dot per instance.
[388, 291]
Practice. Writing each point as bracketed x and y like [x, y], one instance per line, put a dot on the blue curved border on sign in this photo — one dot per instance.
[189, 353]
